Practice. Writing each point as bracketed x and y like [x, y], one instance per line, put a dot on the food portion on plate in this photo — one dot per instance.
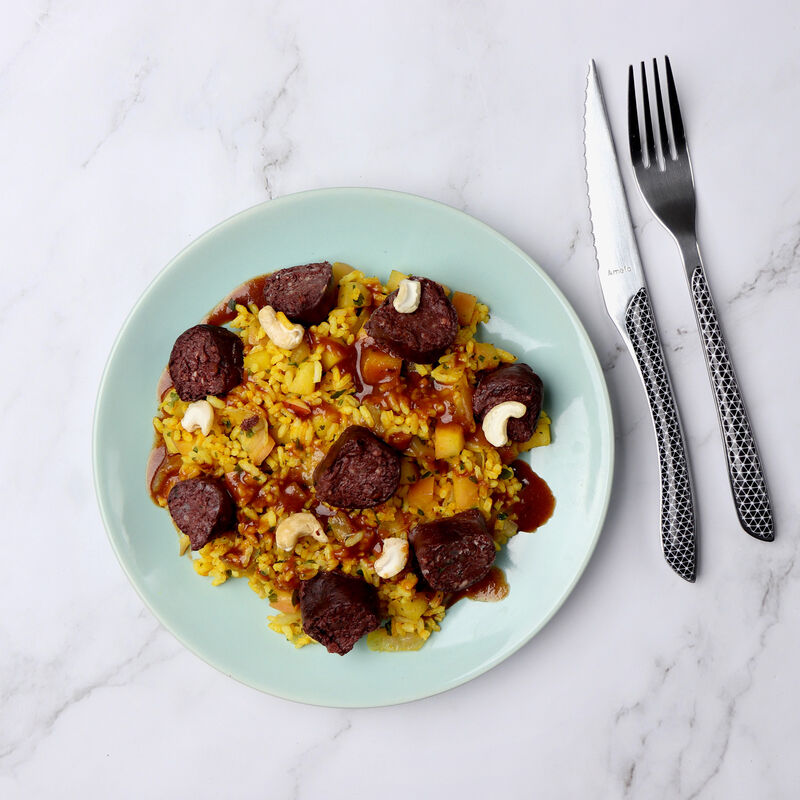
[351, 449]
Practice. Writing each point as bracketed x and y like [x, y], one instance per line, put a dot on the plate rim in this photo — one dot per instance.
[288, 199]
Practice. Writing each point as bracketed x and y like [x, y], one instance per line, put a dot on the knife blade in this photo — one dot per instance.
[628, 303]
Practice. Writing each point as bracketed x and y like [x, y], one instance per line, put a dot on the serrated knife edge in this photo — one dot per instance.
[619, 265]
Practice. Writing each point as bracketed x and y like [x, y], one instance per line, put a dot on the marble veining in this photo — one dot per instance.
[782, 268]
[123, 108]
[127, 130]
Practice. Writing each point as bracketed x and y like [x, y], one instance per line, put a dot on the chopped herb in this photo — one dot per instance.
[420, 512]
[232, 304]
[338, 394]
[194, 449]
[425, 474]
[237, 468]
[359, 299]
[473, 478]
[481, 358]
[388, 626]
[227, 423]
[502, 515]
[272, 596]
[506, 473]
[249, 433]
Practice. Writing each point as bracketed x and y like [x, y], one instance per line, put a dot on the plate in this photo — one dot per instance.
[376, 231]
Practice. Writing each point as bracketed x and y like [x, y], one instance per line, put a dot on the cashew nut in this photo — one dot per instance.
[393, 558]
[496, 420]
[295, 526]
[406, 300]
[199, 414]
[279, 334]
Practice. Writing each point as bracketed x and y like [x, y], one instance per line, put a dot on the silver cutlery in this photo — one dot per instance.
[628, 304]
[666, 182]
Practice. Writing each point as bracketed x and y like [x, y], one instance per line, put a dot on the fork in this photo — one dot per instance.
[667, 185]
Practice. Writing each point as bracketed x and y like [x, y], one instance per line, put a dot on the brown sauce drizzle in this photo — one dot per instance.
[385, 385]
[292, 497]
[251, 291]
[242, 486]
[162, 472]
[536, 502]
[492, 589]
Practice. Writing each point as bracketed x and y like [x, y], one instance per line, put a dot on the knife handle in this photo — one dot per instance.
[678, 537]
[744, 465]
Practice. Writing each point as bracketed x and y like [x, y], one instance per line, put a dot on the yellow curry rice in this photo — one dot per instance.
[271, 431]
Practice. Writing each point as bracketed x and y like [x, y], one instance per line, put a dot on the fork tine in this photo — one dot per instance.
[675, 111]
[648, 122]
[634, 140]
[662, 121]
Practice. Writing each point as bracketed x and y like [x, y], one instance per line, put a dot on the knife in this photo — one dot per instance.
[628, 303]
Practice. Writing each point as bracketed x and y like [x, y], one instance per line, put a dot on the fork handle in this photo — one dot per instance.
[677, 501]
[744, 464]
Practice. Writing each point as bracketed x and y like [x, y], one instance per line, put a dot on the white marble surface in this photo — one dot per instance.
[127, 129]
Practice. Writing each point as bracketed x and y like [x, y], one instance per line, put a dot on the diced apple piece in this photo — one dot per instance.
[464, 305]
[257, 362]
[410, 609]
[303, 382]
[487, 355]
[377, 366]
[353, 293]
[340, 269]
[465, 492]
[394, 280]
[331, 356]
[299, 354]
[409, 472]
[540, 437]
[448, 439]
[420, 495]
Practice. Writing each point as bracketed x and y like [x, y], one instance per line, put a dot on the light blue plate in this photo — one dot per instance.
[375, 231]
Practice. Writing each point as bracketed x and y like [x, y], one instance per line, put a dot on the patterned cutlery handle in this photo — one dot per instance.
[744, 465]
[677, 501]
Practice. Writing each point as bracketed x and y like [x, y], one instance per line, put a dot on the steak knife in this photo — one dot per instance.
[628, 303]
